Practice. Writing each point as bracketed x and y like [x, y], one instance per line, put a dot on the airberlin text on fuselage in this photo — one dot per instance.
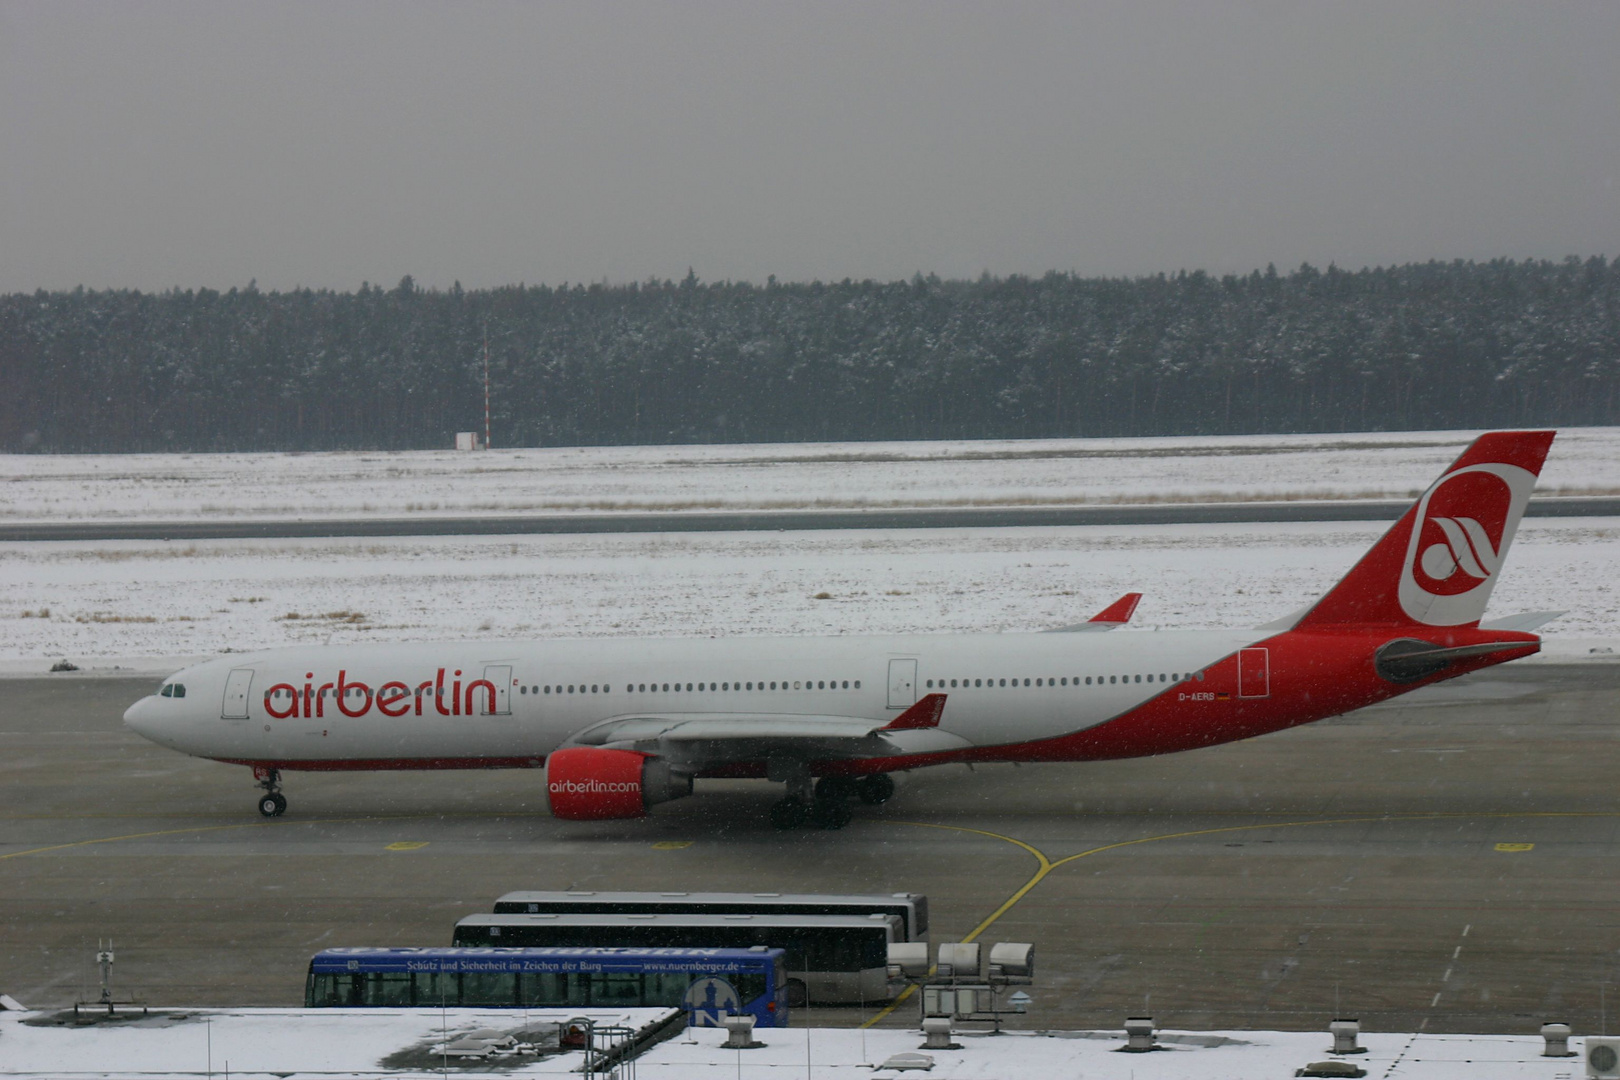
[393, 698]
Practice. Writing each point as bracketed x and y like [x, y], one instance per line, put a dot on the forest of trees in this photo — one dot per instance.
[1434, 345]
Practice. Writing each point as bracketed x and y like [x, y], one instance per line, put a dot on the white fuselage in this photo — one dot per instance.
[1003, 689]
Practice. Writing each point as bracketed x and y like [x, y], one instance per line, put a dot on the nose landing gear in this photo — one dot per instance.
[272, 803]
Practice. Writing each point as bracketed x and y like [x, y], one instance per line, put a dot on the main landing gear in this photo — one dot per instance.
[272, 803]
[822, 806]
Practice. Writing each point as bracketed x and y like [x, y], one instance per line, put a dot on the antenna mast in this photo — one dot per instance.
[486, 386]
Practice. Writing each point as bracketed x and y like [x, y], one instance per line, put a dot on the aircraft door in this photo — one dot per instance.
[902, 684]
[501, 677]
[1254, 673]
[235, 705]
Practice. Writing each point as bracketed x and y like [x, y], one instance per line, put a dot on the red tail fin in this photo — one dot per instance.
[1438, 564]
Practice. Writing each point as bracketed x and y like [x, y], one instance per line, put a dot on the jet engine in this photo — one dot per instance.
[587, 783]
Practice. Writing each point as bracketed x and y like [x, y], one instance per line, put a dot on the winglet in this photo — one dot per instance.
[1111, 617]
[1120, 611]
[924, 714]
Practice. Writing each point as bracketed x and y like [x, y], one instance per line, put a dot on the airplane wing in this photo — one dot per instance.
[702, 739]
[1114, 615]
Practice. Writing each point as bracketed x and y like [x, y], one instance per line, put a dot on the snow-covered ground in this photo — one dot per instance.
[338, 1044]
[167, 487]
[104, 603]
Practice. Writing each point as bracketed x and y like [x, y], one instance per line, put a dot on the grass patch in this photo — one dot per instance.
[350, 617]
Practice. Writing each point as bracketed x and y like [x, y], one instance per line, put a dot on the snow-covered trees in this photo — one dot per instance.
[1451, 345]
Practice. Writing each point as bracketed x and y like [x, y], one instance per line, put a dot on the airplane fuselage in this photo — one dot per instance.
[511, 703]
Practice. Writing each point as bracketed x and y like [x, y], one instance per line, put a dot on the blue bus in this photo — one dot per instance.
[708, 983]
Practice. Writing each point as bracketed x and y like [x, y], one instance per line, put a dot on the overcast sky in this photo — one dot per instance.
[150, 145]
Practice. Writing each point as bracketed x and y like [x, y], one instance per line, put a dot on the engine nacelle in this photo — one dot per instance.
[587, 783]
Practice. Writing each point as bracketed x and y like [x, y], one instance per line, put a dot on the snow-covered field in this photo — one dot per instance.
[351, 1043]
[107, 602]
[104, 603]
[167, 487]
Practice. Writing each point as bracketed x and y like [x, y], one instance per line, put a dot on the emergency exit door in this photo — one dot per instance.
[902, 684]
[234, 707]
[501, 678]
[1254, 673]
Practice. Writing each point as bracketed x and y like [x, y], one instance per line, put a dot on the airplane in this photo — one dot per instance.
[620, 725]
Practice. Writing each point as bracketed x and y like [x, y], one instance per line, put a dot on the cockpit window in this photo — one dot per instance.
[172, 690]
[179, 690]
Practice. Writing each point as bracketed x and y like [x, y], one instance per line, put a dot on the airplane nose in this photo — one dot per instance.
[139, 717]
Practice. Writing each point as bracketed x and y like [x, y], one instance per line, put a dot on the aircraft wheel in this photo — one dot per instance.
[798, 994]
[789, 814]
[876, 789]
[834, 788]
[830, 815]
[273, 804]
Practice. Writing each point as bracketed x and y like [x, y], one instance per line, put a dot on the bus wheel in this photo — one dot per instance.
[273, 805]
[789, 813]
[830, 815]
[798, 994]
[875, 789]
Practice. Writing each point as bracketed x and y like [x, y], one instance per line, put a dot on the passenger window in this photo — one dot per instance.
[846, 684]
[857, 684]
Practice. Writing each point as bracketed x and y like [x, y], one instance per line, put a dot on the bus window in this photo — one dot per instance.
[549, 988]
[436, 988]
[488, 988]
[387, 989]
[751, 986]
[614, 989]
[330, 991]
[665, 987]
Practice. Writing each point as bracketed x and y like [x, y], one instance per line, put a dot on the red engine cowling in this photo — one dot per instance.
[587, 783]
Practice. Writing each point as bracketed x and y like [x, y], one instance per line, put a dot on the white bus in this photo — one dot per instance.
[831, 959]
[911, 908]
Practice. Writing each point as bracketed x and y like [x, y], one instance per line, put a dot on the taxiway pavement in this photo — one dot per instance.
[1445, 862]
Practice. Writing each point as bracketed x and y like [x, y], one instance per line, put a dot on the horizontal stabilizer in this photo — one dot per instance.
[924, 714]
[1406, 660]
[1525, 621]
[1114, 615]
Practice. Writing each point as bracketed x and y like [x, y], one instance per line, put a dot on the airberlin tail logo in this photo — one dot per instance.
[1461, 533]
[1466, 548]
